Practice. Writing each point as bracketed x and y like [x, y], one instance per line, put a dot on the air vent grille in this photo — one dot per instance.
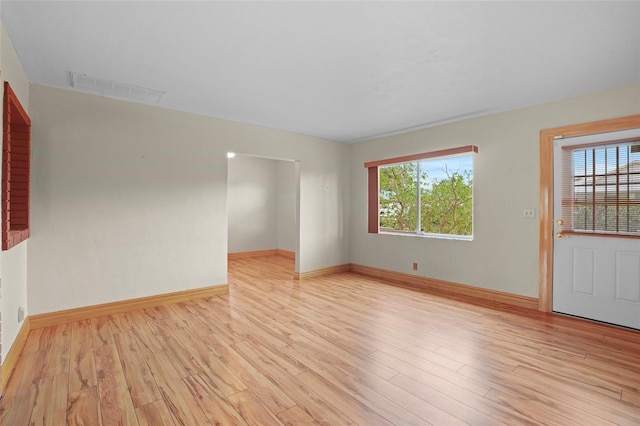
[115, 89]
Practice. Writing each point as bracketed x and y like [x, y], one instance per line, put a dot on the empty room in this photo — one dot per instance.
[335, 213]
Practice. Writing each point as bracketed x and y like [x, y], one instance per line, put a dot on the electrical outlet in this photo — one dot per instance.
[415, 266]
[529, 213]
[20, 314]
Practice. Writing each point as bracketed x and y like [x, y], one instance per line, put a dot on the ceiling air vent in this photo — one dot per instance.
[115, 89]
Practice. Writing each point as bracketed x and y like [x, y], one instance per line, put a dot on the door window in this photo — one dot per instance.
[601, 188]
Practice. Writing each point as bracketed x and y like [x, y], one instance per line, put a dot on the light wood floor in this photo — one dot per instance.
[338, 350]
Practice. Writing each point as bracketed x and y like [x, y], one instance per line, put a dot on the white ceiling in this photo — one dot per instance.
[345, 71]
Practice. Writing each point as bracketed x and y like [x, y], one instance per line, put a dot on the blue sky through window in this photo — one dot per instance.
[436, 168]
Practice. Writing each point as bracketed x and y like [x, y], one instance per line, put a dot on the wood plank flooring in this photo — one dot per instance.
[337, 350]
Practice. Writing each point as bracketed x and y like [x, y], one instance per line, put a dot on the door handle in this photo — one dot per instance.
[560, 235]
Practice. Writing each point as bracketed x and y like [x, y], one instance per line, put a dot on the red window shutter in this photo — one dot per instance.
[16, 170]
[373, 200]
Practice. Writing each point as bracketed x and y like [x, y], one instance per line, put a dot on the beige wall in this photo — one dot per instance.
[13, 263]
[252, 204]
[130, 200]
[504, 252]
[287, 205]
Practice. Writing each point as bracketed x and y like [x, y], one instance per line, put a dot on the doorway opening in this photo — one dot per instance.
[263, 206]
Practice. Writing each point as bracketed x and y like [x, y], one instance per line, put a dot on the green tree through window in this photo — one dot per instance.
[427, 197]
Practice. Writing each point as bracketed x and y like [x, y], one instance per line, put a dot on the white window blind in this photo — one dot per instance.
[601, 188]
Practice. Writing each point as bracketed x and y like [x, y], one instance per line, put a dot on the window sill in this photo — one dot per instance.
[602, 234]
[434, 236]
[15, 237]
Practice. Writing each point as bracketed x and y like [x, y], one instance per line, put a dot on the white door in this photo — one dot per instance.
[596, 260]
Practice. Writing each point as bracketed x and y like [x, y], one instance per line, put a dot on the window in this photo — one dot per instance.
[601, 188]
[16, 154]
[423, 194]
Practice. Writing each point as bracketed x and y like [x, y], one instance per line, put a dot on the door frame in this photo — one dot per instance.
[545, 206]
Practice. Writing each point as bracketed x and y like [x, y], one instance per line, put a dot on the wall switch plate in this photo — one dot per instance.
[529, 213]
